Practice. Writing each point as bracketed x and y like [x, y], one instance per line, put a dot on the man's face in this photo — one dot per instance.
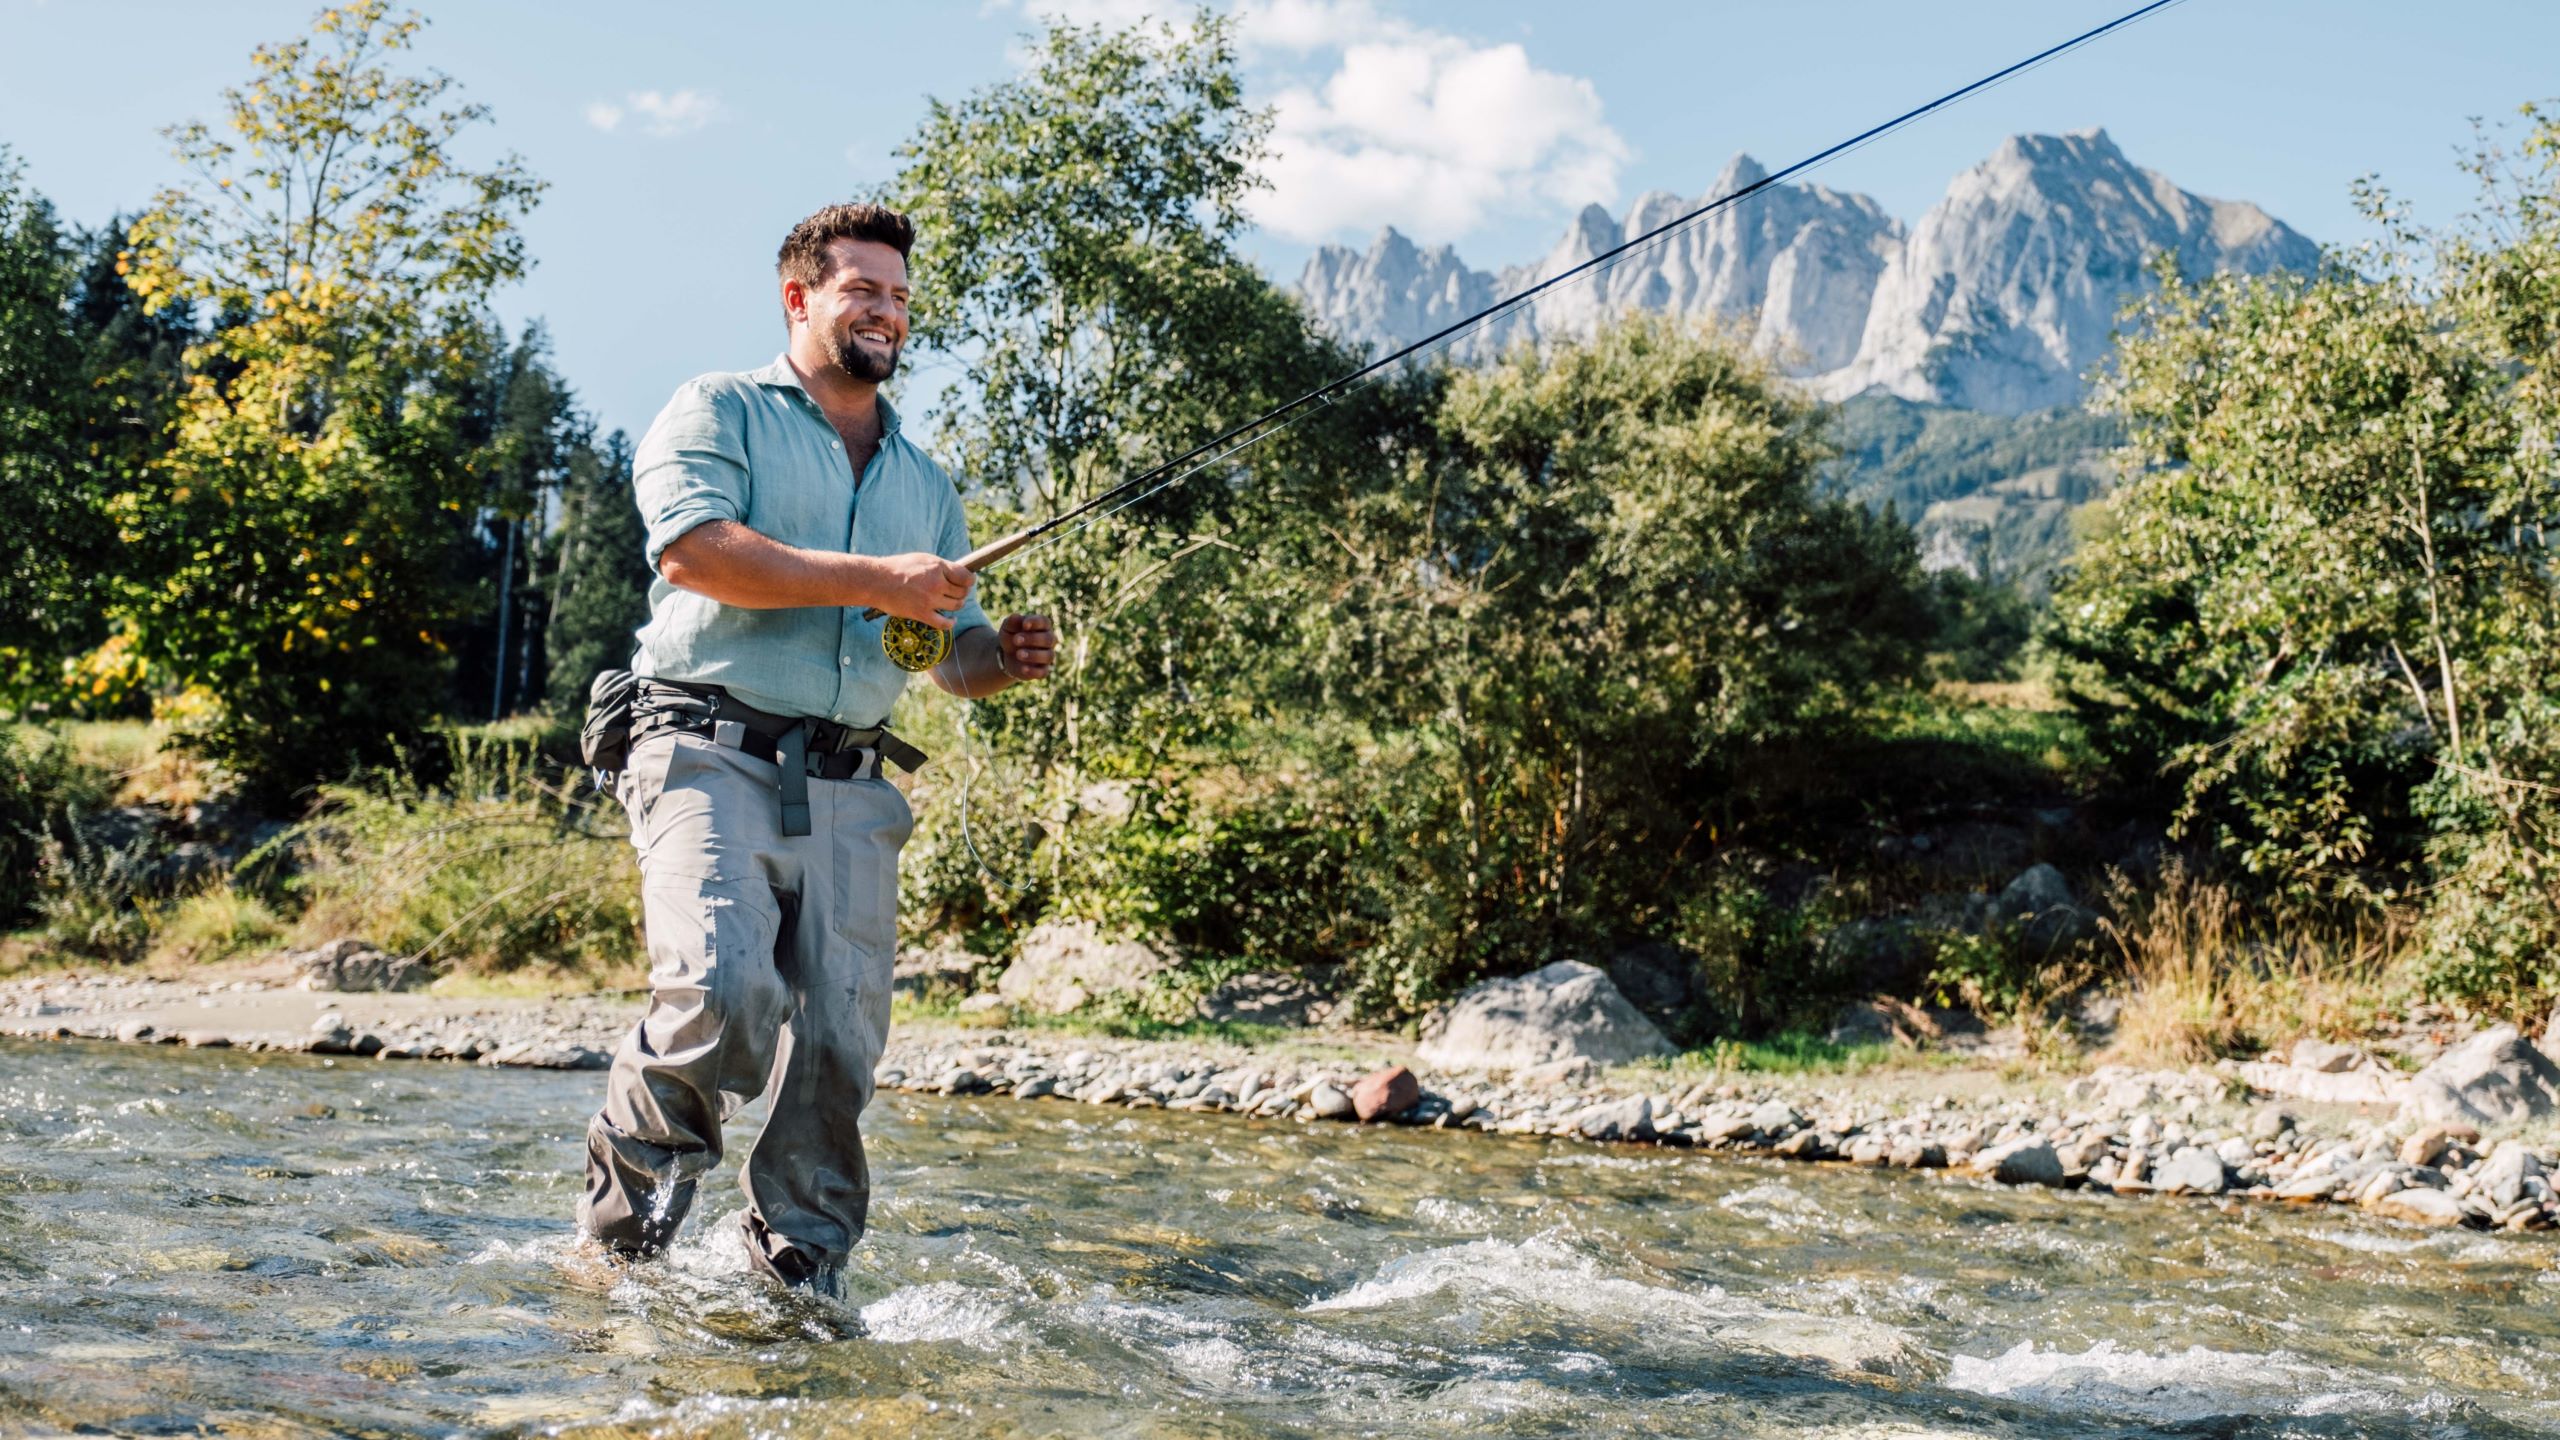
[859, 312]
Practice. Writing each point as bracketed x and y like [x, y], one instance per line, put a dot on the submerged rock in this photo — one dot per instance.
[1568, 1010]
[2420, 1206]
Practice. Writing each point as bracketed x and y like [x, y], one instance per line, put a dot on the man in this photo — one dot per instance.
[781, 504]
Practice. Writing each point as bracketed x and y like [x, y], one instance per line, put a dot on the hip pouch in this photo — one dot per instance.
[604, 741]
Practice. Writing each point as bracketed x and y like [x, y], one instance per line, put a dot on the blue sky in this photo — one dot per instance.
[681, 140]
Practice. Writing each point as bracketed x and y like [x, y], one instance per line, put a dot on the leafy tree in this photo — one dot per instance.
[526, 433]
[598, 595]
[1613, 584]
[2279, 612]
[1076, 254]
[45, 513]
[291, 556]
[2324, 610]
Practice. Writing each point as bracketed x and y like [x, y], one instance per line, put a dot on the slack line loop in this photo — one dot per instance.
[913, 645]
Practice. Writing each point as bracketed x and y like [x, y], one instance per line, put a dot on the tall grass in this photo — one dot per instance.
[220, 922]
[508, 865]
[2207, 977]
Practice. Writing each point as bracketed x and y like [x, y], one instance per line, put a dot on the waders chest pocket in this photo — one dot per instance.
[604, 742]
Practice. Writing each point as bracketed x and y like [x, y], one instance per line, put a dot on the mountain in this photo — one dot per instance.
[2000, 299]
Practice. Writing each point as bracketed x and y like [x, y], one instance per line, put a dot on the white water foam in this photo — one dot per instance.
[1784, 1208]
[942, 1310]
[1216, 1360]
[2193, 1384]
[1543, 1274]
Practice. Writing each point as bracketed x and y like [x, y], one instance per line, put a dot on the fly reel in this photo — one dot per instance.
[912, 645]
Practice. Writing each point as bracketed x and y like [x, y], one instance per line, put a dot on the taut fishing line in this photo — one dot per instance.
[913, 645]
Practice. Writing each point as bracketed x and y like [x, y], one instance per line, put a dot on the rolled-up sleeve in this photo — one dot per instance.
[954, 544]
[692, 465]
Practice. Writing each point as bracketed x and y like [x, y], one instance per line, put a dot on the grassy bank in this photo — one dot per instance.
[487, 856]
[491, 857]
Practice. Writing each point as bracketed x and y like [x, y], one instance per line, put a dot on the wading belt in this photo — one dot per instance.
[798, 746]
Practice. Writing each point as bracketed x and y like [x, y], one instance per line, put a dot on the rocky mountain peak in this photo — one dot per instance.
[1738, 173]
[2001, 298]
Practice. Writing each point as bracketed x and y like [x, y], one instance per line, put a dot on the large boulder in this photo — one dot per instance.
[358, 967]
[2496, 1077]
[1568, 1010]
[1060, 966]
[2039, 902]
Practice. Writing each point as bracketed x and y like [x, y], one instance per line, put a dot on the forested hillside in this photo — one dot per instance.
[1991, 495]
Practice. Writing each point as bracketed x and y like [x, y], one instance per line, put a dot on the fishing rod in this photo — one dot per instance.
[914, 645]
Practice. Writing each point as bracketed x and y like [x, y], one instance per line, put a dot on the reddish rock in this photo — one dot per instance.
[1391, 1091]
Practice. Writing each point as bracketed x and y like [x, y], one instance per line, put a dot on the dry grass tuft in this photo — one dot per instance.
[2207, 978]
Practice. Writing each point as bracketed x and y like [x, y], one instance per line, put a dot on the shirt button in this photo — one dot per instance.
[846, 659]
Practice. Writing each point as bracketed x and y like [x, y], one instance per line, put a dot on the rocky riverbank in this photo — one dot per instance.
[2198, 1132]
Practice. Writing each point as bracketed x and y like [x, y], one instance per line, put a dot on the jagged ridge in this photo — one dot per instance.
[2000, 299]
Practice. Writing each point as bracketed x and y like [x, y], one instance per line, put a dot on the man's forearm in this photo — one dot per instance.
[728, 562]
[976, 667]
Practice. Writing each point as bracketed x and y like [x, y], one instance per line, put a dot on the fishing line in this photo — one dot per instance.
[931, 646]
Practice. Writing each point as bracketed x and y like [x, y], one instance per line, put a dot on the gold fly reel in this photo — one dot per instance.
[913, 645]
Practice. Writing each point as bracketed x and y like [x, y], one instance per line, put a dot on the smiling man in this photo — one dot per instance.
[781, 504]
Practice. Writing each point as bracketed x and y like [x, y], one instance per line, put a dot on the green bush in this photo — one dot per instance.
[42, 784]
[1762, 966]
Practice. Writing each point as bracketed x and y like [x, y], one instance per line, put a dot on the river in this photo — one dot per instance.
[208, 1241]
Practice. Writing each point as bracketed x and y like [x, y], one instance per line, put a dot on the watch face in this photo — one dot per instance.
[914, 645]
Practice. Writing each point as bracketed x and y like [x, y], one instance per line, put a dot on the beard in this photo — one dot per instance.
[862, 363]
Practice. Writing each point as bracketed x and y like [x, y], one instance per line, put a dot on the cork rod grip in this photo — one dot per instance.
[976, 560]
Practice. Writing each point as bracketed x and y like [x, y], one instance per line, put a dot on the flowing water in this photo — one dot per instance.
[196, 1241]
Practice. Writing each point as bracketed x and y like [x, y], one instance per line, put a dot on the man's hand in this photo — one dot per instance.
[922, 587]
[987, 658]
[1026, 646]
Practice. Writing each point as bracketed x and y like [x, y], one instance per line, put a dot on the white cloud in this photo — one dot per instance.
[1379, 121]
[1421, 129]
[657, 113]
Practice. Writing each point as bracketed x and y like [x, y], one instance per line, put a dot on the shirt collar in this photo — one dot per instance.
[781, 376]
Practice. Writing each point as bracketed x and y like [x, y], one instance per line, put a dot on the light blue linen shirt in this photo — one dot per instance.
[754, 448]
